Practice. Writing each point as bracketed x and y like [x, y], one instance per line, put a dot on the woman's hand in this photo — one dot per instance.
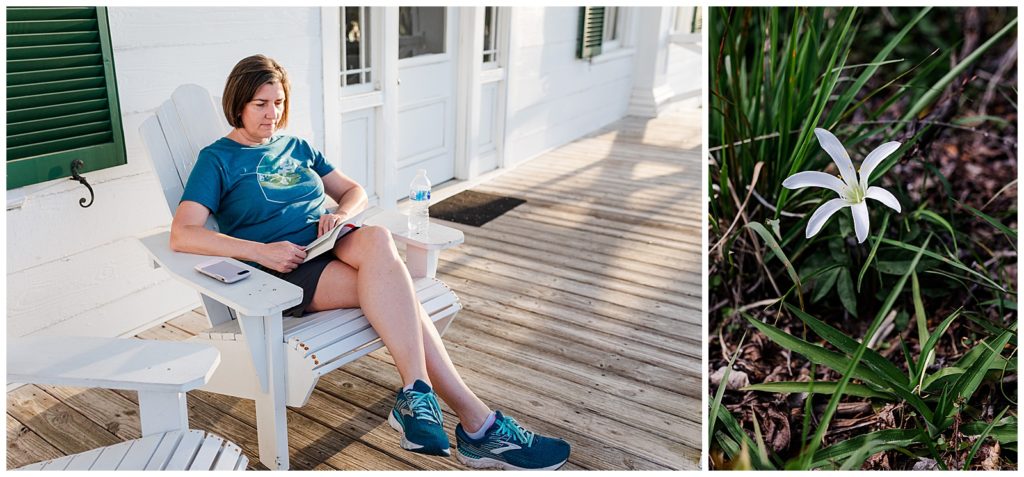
[281, 256]
[328, 222]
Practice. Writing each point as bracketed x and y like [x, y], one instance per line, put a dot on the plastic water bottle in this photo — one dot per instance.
[419, 195]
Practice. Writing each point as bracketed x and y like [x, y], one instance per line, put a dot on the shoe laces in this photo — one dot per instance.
[509, 428]
[424, 406]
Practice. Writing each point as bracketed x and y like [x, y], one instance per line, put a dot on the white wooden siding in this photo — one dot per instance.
[555, 97]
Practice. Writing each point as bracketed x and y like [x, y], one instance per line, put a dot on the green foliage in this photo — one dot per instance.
[776, 74]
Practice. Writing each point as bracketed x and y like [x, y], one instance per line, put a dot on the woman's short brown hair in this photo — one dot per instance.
[247, 77]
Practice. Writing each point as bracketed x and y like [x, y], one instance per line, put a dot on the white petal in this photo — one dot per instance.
[820, 216]
[874, 159]
[834, 148]
[814, 179]
[860, 220]
[884, 197]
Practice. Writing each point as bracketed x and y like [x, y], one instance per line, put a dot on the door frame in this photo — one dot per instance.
[467, 53]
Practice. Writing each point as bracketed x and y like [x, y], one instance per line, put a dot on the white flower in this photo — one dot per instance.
[852, 191]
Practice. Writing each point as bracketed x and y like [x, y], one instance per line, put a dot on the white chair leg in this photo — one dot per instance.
[266, 341]
[420, 262]
[161, 412]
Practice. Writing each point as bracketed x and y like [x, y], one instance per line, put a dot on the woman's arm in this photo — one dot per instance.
[350, 196]
[188, 234]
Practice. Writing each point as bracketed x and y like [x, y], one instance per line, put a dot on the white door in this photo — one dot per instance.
[426, 105]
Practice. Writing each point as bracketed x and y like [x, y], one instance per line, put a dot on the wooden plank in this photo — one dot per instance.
[579, 363]
[108, 409]
[580, 283]
[571, 201]
[609, 336]
[655, 434]
[25, 447]
[587, 298]
[353, 455]
[602, 242]
[587, 452]
[583, 252]
[57, 423]
[681, 292]
[604, 192]
[684, 242]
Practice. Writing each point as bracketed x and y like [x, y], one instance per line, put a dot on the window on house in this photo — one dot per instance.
[610, 36]
[490, 36]
[600, 31]
[421, 31]
[61, 94]
[688, 20]
[356, 68]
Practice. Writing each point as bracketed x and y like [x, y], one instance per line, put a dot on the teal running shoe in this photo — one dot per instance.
[417, 416]
[508, 445]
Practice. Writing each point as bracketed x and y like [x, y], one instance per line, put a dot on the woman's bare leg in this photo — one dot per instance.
[394, 312]
[374, 278]
[446, 381]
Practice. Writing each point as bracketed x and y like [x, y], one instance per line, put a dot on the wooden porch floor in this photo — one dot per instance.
[582, 319]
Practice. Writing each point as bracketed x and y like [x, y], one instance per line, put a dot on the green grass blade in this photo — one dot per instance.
[816, 353]
[833, 403]
[733, 429]
[770, 241]
[1005, 432]
[935, 219]
[955, 264]
[928, 347]
[717, 402]
[1012, 234]
[883, 440]
[892, 375]
[920, 318]
[968, 382]
[874, 250]
[822, 387]
[981, 438]
[933, 92]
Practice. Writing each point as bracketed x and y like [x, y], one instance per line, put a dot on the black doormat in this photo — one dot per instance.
[473, 208]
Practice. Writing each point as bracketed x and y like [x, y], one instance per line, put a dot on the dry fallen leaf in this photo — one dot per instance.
[737, 379]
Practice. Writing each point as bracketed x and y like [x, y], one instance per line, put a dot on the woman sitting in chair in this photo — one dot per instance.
[268, 193]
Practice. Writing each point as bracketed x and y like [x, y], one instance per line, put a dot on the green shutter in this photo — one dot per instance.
[61, 94]
[591, 32]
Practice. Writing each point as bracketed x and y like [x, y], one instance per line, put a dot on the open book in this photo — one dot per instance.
[326, 241]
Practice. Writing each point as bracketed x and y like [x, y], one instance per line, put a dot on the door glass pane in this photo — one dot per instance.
[611, 23]
[490, 22]
[355, 45]
[420, 31]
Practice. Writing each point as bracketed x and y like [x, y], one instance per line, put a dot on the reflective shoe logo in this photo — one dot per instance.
[406, 412]
[507, 447]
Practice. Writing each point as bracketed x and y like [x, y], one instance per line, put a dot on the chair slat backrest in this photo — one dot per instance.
[182, 126]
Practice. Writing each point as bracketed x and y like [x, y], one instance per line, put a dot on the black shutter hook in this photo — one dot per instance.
[75, 166]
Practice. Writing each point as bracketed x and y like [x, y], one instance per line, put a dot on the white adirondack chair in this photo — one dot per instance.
[161, 373]
[274, 361]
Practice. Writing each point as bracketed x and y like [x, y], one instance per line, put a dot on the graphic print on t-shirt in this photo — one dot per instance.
[285, 180]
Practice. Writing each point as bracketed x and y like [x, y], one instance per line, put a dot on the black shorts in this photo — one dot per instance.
[306, 277]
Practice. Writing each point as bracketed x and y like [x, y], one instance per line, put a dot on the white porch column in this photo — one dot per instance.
[650, 88]
[471, 47]
[387, 124]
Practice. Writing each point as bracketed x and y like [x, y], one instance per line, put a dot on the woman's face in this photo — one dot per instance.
[260, 115]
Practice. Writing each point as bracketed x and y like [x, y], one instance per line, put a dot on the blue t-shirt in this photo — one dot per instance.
[266, 193]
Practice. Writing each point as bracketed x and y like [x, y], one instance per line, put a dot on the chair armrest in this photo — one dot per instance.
[439, 237]
[113, 363]
[261, 294]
